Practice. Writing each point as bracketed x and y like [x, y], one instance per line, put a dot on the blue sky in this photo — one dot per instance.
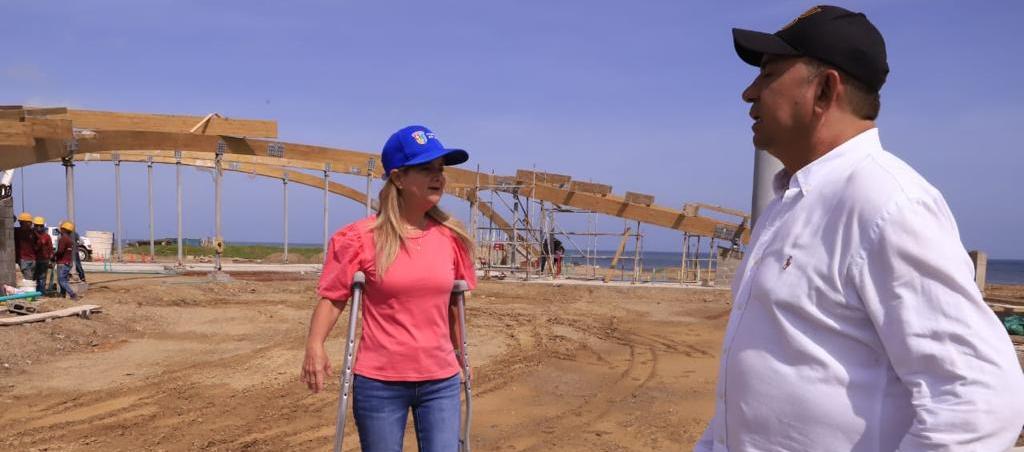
[641, 95]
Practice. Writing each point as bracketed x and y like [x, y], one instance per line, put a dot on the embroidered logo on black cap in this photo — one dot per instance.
[808, 13]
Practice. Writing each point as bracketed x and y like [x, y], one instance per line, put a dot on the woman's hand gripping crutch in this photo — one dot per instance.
[457, 329]
[358, 281]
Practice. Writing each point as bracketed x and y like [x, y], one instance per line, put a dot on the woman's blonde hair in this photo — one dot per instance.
[389, 232]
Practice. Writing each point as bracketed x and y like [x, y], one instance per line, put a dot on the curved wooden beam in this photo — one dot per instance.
[354, 162]
[261, 170]
[247, 164]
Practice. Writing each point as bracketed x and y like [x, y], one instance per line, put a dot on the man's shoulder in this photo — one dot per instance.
[882, 179]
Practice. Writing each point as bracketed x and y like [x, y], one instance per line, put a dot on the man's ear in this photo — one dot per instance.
[828, 87]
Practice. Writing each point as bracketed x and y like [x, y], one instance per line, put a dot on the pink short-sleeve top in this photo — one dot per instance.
[405, 313]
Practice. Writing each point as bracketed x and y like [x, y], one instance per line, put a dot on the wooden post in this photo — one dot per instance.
[618, 252]
[980, 260]
[7, 244]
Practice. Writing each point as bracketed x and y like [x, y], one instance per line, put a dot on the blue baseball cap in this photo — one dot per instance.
[416, 145]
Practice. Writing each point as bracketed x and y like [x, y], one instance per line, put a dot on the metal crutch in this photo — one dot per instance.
[358, 281]
[458, 302]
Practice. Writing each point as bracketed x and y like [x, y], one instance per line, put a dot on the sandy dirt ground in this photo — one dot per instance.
[178, 363]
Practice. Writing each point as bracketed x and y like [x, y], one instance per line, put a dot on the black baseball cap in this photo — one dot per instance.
[830, 34]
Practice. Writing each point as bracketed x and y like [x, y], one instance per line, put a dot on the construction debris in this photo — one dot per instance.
[84, 311]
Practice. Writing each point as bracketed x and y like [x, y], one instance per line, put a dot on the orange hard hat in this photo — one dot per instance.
[24, 216]
[39, 221]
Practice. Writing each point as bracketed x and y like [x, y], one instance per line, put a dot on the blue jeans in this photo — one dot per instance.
[28, 270]
[381, 409]
[63, 275]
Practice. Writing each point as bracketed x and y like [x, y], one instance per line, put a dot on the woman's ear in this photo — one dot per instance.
[396, 178]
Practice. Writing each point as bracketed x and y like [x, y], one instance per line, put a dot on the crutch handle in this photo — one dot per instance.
[460, 286]
[360, 278]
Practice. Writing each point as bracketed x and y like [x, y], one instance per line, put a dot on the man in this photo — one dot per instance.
[64, 258]
[44, 252]
[856, 324]
[76, 239]
[25, 246]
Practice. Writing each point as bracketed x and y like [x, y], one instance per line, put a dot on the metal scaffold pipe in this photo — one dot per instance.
[327, 169]
[177, 168]
[369, 186]
[218, 175]
[149, 183]
[117, 206]
[284, 185]
[69, 178]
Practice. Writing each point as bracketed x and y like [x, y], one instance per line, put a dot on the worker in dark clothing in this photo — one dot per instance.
[64, 258]
[44, 252]
[25, 246]
[75, 240]
[552, 251]
[559, 253]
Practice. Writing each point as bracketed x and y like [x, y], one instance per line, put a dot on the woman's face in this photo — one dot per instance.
[421, 185]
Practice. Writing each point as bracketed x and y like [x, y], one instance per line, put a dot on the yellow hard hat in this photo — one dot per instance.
[39, 221]
[24, 216]
[68, 225]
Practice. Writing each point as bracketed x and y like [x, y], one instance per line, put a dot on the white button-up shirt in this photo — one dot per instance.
[857, 325]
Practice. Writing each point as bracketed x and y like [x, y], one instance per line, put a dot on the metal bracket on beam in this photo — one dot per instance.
[370, 165]
[221, 147]
[233, 166]
[327, 167]
[177, 156]
[71, 146]
[116, 157]
[275, 150]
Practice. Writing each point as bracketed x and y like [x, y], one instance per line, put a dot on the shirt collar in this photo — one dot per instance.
[825, 167]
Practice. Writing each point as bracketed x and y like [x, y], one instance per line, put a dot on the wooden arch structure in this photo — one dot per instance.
[38, 135]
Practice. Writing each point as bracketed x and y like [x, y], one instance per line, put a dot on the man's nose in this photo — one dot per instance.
[749, 95]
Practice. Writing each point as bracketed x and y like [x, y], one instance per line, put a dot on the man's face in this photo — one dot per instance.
[782, 101]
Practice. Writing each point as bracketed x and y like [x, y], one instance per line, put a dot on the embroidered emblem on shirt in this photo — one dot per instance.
[788, 261]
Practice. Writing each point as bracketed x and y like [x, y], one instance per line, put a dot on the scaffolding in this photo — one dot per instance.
[518, 238]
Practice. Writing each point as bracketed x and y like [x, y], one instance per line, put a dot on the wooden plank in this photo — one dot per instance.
[13, 133]
[615, 206]
[697, 206]
[618, 253]
[59, 129]
[590, 187]
[104, 120]
[527, 177]
[639, 198]
[74, 310]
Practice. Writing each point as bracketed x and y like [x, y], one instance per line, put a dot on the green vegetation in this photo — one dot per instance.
[230, 251]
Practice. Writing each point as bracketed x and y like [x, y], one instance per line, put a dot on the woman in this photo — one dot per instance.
[411, 253]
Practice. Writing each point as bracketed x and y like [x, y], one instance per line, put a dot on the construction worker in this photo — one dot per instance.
[25, 246]
[44, 252]
[64, 258]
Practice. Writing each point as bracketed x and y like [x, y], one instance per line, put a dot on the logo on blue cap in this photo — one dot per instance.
[420, 137]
